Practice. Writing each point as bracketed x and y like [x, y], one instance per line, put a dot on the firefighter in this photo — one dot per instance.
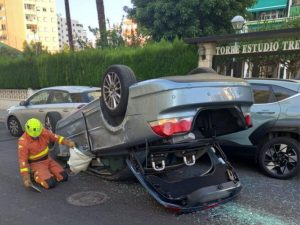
[34, 158]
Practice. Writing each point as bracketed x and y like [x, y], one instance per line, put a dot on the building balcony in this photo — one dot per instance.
[295, 10]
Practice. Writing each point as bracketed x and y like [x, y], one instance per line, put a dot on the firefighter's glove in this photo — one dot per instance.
[26, 181]
[71, 144]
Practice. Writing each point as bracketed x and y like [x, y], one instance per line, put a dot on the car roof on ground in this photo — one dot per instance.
[73, 89]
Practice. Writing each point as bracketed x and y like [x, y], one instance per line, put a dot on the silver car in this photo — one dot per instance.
[60, 100]
[163, 131]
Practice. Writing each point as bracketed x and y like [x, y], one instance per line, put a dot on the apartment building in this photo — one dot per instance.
[272, 13]
[78, 33]
[29, 20]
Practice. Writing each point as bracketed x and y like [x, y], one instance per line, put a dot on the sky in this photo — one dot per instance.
[85, 11]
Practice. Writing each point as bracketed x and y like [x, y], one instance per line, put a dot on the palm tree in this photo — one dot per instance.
[69, 25]
[101, 21]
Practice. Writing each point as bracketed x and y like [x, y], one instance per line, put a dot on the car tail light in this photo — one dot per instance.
[168, 127]
[248, 119]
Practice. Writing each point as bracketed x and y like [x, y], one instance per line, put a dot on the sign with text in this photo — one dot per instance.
[273, 46]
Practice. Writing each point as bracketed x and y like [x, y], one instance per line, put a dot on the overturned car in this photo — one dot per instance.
[163, 131]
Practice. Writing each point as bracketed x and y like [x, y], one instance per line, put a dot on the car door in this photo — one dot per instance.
[61, 102]
[34, 107]
[265, 109]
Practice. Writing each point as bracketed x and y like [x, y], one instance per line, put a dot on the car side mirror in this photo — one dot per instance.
[22, 103]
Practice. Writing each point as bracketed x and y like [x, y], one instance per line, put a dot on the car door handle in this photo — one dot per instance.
[265, 112]
[65, 110]
[41, 110]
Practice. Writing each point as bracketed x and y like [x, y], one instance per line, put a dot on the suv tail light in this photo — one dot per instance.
[248, 119]
[168, 127]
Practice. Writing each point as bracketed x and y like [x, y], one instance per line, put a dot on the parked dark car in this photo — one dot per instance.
[164, 131]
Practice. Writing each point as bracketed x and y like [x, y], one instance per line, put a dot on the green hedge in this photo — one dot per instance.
[86, 67]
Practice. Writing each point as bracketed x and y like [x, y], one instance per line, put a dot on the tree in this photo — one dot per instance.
[69, 25]
[101, 21]
[186, 18]
[34, 49]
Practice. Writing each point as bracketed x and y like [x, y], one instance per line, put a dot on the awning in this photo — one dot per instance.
[268, 5]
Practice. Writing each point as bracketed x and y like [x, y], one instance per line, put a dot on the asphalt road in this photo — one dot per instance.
[262, 201]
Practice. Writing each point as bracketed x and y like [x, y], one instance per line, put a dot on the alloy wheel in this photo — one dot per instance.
[112, 90]
[280, 159]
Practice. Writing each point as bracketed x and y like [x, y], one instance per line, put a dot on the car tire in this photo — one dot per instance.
[14, 126]
[115, 89]
[279, 157]
[51, 120]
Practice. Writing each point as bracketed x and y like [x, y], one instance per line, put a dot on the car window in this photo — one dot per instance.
[262, 94]
[93, 95]
[282, 93]
[60, 97]
[39, 98]
[85, 97]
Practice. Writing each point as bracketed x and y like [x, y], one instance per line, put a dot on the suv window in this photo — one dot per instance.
[262, 94]
[60, 97]
[282, 93]
[40, 98]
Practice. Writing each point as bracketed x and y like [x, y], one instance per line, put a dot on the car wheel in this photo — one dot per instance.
[115, 89]
[279, 157]
[51, 119]
[14, 126]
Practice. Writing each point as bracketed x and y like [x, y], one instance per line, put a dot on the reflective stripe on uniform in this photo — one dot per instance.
[24, 170]
[60, 140]
[42, 153]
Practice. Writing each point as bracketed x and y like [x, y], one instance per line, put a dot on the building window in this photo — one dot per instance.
[3, 37]
[32, 27]
[38, 9]
[44, 10]
[51, 10]
[29, 6]
[45, 19]
[30, 17]
[1, 7]
[3, 27]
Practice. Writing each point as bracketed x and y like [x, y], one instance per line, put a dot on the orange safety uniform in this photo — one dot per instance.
[34, 159]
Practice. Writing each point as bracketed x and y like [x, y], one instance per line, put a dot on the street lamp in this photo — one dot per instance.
[237, 23]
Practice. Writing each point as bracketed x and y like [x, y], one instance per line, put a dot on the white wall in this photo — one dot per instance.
[10, 97]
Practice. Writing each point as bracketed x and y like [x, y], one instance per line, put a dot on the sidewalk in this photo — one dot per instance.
[2, 115]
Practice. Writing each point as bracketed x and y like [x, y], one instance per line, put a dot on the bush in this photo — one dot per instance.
[86, 67]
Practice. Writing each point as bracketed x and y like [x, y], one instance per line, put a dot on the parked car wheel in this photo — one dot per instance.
[51, 120]
[14, 126]
[115, 89]
[279, 157]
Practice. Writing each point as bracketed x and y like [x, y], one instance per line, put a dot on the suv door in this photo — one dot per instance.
[34, 107]
[265, 109]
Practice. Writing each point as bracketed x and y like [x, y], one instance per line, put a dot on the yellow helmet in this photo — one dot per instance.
[33, 127]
